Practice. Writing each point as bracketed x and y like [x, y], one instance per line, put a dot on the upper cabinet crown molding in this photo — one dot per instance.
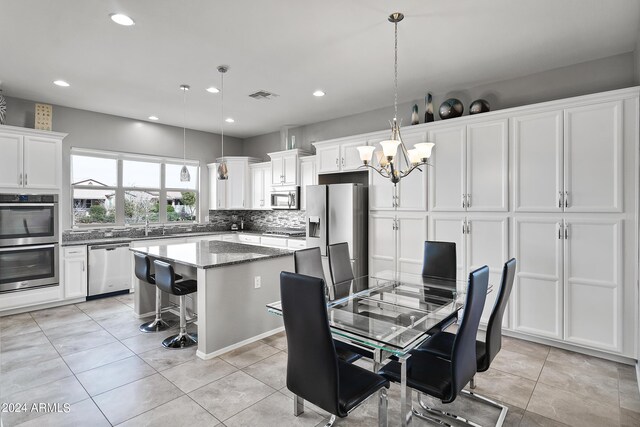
[34, 132]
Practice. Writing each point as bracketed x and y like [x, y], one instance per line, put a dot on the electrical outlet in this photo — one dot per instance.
[257, 282]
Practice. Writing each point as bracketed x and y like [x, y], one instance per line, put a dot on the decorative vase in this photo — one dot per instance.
[428, 106]
[3, 109]
[450, 109]
[415, 119]
[479, 106]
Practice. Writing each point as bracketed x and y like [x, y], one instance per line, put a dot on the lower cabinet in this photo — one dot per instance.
[74, 271]
[569, 280]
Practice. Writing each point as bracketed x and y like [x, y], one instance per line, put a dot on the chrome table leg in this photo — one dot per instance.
[405, 394]
[503, 409]
[383, 406]
[298, 405]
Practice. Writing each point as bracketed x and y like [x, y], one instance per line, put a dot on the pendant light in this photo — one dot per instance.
[388, 160]
[185, 176]
[223, 173]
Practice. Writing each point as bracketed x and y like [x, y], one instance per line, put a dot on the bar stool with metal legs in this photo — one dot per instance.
[143, 272]
[166, 281]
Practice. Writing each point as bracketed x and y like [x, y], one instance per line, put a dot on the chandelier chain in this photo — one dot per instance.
[395, 71]
[222, 112]
[184, 126]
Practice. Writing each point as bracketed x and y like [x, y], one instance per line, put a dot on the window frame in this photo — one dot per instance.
[120, 189]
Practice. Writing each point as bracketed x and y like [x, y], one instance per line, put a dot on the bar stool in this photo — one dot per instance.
[143, 272]
[166, 281]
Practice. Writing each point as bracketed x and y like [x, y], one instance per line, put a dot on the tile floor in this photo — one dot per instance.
[92, 356]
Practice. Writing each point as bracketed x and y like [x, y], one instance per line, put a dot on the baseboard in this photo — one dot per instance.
[638, 374]
[42, 306]
[217, 353]
[571, 347]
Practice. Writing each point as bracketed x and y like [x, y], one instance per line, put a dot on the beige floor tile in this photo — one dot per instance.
[197, 373]
[32, 376]
[249, 354]
[17, 324]
[116, 374]
[178, 412]
[272, 411]
[141, 342]
[525, 347]
[19, 342]
[161, 358]
[133, 399]
[278, 341]
[76, 328]
[76, 343]
[106, 307]
[572, 409]
[630, 402]
[271, 371]
[629, 418]
[231, 394]
[531, 419]
[125, 325]
[582, 361]
[84, 413]
[26, 356]
[575, 380]
[509, 388]
[96, 357]
[58, 316]
[518, 364]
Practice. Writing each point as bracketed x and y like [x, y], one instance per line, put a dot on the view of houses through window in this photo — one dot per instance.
[122, 189]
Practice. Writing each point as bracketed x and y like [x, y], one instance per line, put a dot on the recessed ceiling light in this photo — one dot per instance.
[229, 120]
[61, 83]
[318, 93]
[154, 118]
[213, 89]
[121, 19]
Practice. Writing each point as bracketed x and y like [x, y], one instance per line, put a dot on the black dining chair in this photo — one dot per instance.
[340, 268]
[439, 260]
[445, 378]
[309, 262]
[314, 372]
[441, 344]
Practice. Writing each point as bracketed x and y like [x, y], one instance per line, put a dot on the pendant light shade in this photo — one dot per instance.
[185, 176]
[223, 172]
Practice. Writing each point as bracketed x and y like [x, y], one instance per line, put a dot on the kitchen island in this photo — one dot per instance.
[235, 282]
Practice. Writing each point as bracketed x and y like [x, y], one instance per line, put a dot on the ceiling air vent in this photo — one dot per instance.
[263, 95]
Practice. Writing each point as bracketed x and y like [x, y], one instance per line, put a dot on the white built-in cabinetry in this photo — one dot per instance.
[260, 185]
[285, 167]
[235, 191]
[74, 271]
[308, 176]
[31, 159]
[338, 155]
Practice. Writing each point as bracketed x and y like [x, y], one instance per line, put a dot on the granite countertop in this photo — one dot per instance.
[124, 239]
[211, 254]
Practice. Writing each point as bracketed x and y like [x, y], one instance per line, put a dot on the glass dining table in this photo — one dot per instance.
[389, 314]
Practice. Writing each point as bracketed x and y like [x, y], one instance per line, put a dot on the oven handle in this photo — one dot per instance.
[27, 248]
[26, 204]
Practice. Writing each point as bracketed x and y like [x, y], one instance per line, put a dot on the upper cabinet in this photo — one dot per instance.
[569, 160]
[31, 159]
[308, 176]
[338, 156]
[260, 185]
[285, 167]
[469, 169]
[235, 191]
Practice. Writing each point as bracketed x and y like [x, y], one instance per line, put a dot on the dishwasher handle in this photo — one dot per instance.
[109, 247]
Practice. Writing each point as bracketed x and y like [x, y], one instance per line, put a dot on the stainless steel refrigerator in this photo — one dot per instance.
[338, 213]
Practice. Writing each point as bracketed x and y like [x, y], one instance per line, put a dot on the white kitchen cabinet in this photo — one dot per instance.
[537, 145]
[470, 167]
[412, 232]
[217, 189]
[480, 240]
[260, 185]
[285, 167]
[328, 158]
[308, 176]
[296, 244]
[593, 148]
[249, 238]
[382, 193]
[31, 159]
[382, 243]
[277, 242]
[74, 271]
[341, 155]
[235, 191]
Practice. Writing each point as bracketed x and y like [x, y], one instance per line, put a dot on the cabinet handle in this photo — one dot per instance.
[464, 227]
[464, 201]
[468, 200]
[560, 199]
[566, 231]
[82, 265]
[337, 162]
[559, 231]
[343, 162]
[468, 227]
[566, 199]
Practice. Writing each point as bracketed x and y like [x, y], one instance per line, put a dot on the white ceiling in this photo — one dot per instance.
[291, 48]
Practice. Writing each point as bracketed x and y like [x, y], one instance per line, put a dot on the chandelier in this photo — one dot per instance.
[184, 172]
[390, 163]
[223, 172]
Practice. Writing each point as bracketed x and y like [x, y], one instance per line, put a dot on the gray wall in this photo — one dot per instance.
[98, 131]
[259, 146]
[600, 75]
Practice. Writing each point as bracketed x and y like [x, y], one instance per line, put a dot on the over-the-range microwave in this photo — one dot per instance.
[285, 198]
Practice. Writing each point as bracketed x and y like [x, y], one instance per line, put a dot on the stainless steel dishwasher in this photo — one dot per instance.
[109, 268]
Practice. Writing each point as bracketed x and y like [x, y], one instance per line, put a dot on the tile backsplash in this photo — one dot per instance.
[259, 220]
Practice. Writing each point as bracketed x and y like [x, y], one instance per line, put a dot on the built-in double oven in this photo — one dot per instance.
[28, 241]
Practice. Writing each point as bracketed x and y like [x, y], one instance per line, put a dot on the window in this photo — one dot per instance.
[123, 189]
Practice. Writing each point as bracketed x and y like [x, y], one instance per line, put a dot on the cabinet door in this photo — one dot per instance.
[236, 184]
[328, 158]
[41, 162]
[75, 273]
[290, 169]
[447, 173]
[537, 162]
[450, 228]
[350, 156]
[488, 244]
[381, 192]
[593, 283]
[538, 286]
[593, 158]
[381, 243]
[412, 232]
[412, 189]
[257, 187]
[11, 161]
[266, 189]
[307, 177]
[221, 193]
[487, 166]
[277, 171]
